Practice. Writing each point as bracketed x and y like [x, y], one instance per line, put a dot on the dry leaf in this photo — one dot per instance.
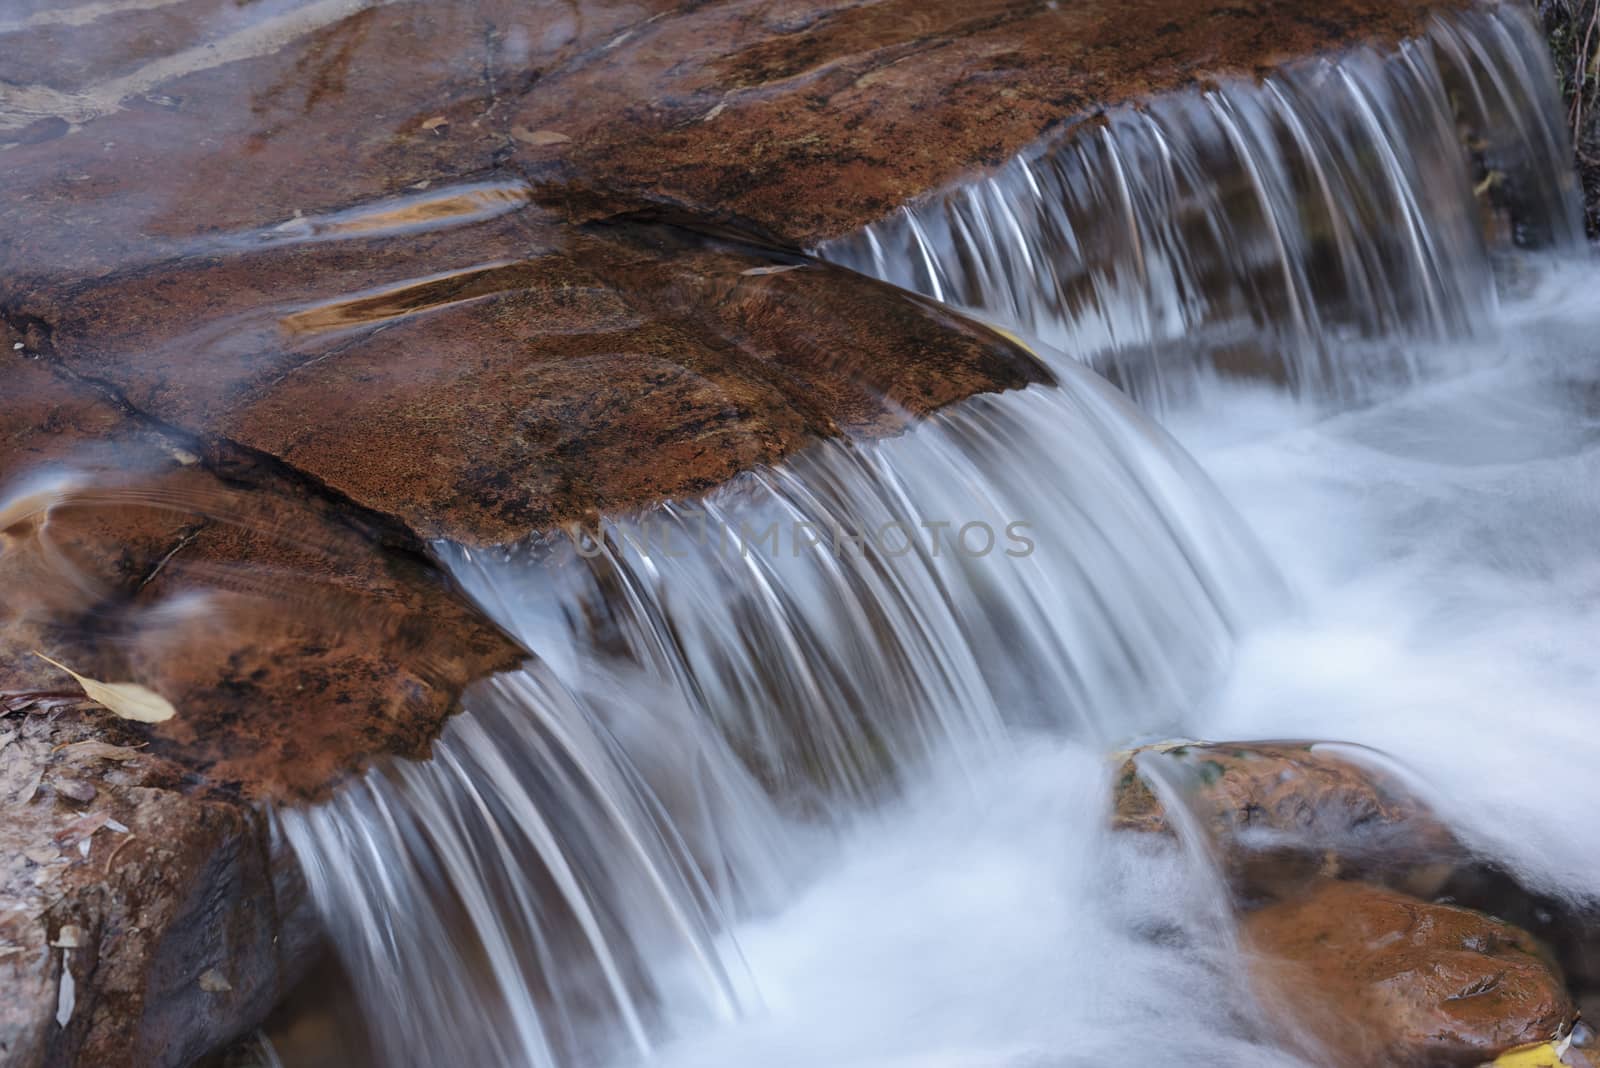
[42, 857]
[773, 270]
[93, 750]
[435, 122]
[40, 702]
[32, 788]
[69, 937]
[81, 828]
[126, 699]
[214, 982]
[538, 137]
[76, 789]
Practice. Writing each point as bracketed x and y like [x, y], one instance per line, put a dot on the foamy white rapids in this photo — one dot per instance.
[1260, 228]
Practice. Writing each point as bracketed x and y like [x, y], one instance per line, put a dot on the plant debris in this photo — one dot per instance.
[96, 750]
[214, 982]
[538, 137]
[128, 700]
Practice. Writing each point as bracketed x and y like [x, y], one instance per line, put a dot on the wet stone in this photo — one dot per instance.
[1278, 814]
[1373, 977]
[499, 378]
[295, 647]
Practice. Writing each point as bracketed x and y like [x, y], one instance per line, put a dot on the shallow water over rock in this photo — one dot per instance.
[1263, 228]
[376, 361]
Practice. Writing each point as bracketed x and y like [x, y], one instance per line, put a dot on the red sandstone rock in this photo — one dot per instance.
[1378, 978]
[293, 644]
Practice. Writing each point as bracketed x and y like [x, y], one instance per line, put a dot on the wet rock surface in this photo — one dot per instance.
[130, 133]
[142, 921]
[1374, 936]
[1381, 978]
[294, 645]
[1279, 813]
[506, 376]
[806, 121]
[292, 290]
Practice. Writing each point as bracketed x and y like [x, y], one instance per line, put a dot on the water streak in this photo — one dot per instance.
[558, 872]
[1040, 557]
[1258, 228]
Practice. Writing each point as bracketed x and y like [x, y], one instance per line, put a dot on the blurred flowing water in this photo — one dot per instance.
[802, 777]
[1305, 227]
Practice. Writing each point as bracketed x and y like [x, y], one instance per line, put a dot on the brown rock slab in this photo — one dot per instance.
[295, 647]
[1379, 978]
[807, 119]
[143, 926]
[1277, 813]
[126, 135]
[495, 379]
[293, 644]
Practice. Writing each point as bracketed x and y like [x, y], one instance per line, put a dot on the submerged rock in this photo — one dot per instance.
[1277, 813]
[1379, 978]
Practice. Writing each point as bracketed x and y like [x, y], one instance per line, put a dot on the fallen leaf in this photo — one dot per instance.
[93, 750]
[115, 851]
[32, 788]
[80, 829]
[76, 789]
[69, 937]
[538, 137]
[126, 699]
[435, 122]
[214, 982]
[42, 857]
[773, 270]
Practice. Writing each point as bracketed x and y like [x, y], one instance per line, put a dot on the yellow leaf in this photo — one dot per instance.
[126, 699]
[1538, 1055]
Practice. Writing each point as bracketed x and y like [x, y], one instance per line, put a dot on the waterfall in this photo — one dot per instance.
[808, 634]
[725, 688]
[1045, 556]
[1352, 201]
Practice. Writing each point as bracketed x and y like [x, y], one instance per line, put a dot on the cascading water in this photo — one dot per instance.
[1259, 227]
[588, 825]
[656, 842]
[840, 617]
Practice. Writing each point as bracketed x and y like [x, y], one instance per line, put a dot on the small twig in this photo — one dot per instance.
[39, 701]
